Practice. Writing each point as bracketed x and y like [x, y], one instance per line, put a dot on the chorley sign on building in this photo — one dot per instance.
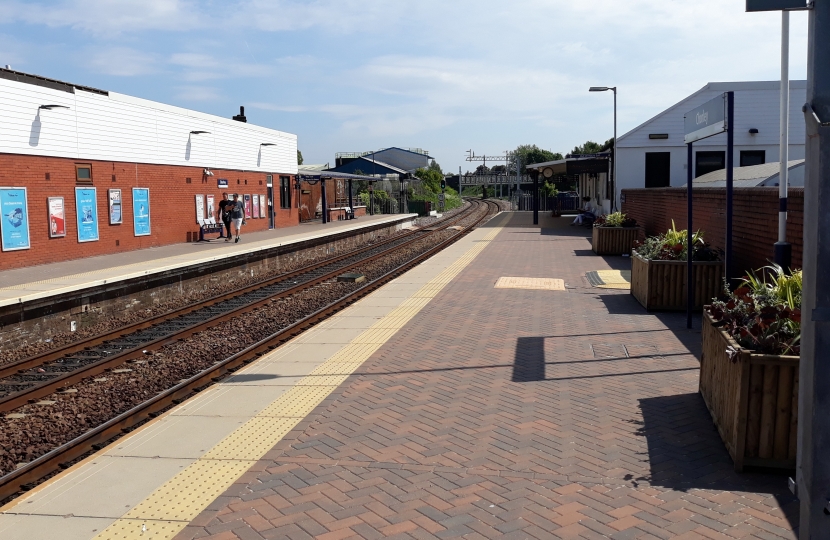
[707, 120]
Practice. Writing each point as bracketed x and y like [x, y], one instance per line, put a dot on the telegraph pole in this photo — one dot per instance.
[813, 466]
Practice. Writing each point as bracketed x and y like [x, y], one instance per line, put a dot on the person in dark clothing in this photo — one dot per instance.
[237, 208]
[224, 216]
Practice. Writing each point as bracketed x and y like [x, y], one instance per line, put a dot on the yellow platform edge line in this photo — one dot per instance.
[169, 509]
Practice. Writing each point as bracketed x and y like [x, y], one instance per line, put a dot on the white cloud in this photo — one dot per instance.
[106, 17]
[197, 93]
[123, 61]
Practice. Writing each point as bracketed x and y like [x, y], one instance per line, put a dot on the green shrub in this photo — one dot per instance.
[672, 246]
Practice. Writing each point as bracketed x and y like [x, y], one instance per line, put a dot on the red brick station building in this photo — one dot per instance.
[87, 172]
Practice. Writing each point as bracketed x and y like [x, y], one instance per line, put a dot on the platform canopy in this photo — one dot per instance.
[323, 175]
[578, 164]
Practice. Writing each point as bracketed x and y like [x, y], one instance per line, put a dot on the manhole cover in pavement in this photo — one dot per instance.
[542, 284]
[610, 279]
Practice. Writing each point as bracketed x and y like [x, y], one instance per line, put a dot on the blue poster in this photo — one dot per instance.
[14, 218]
[141, 211]
[86, 208]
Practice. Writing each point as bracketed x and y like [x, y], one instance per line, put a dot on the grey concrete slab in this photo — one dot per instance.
[277, 369]
[104, 488]
[383, 301]
[263, 379]
[178, 437]
[230, 400]
[35, 527]
[300, 352]
[360, 310]
[331, 335]
[356, 321]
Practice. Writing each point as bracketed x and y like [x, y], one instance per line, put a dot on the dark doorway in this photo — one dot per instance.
[270, 202]
[658, 169]
[706, 162]
[753, 157]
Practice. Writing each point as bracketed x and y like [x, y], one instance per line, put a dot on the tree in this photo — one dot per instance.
[430, 178]
[299, 158]
[499, 169]
[482, 170]
[590, 147]
[433, 166]
[530, 153]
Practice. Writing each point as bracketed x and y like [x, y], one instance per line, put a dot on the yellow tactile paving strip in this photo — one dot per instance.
[539, 284]
[614, 279]
[175, 504]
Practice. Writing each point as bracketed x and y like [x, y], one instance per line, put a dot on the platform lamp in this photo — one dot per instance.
[614, 153]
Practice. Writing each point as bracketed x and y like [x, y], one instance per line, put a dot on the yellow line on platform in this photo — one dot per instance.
[169, 509]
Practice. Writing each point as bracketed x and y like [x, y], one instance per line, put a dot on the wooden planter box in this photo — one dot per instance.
[753, 400]
[661, 285]
[614, 240]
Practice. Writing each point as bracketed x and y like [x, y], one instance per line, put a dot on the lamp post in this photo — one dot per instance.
[614, 153]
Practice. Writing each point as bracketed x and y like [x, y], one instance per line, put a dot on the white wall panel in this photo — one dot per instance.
[756, 106]
[124, 128]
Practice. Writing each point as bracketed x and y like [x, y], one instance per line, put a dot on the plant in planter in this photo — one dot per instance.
[658, 270]
[614, 234]
[749, 368]
[763, 313]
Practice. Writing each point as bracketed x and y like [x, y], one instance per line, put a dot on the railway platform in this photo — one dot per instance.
[44, 301]
[494, 391]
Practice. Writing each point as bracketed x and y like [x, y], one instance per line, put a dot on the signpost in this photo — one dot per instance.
[776, 5]
[713, 117]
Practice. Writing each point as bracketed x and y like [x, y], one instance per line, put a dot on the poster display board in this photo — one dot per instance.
[211, 208]
[200, 209]
[14, 218]
[255, 201]
[262, 206]
[115, 207]
[247, 199]
[141, 211]
[86, 210]
[57, 217]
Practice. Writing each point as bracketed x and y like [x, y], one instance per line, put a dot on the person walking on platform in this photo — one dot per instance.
[225, 215]
[237, 214]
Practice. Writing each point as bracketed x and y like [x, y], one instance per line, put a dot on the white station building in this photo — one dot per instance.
[654, 155]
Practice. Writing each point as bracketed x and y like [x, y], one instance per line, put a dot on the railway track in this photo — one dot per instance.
[42, 374]
[29, 379]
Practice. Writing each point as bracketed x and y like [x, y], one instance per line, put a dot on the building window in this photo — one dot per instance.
[706, 162]
[658, 169]
[83, 174]
[285, 192]
[753, 157]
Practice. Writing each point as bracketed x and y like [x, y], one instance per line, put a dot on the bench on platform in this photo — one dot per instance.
[208, 226]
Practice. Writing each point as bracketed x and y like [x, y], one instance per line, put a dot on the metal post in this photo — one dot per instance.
[324, 203]
[536, 199]
[372, 197]
[813, 466]
[351, 197]
[783, 249]
[614, 157]
[730, 163]
[690, 252]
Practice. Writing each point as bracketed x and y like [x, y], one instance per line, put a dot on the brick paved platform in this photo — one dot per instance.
[509, 413]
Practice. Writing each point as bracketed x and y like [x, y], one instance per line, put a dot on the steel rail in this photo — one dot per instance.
[46, 387]
[23, 364]
[25, 477]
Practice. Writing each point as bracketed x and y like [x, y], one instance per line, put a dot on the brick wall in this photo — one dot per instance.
[172, 204]
[755, 218]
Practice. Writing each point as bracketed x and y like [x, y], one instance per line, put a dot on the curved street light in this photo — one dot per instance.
[614, 153]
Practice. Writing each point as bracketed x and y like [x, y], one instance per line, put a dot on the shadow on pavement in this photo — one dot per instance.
[685, 452]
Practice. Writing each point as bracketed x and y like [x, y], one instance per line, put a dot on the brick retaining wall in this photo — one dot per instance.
[755, 228]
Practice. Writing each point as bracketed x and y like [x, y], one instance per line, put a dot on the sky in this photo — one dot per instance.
[445, 76]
